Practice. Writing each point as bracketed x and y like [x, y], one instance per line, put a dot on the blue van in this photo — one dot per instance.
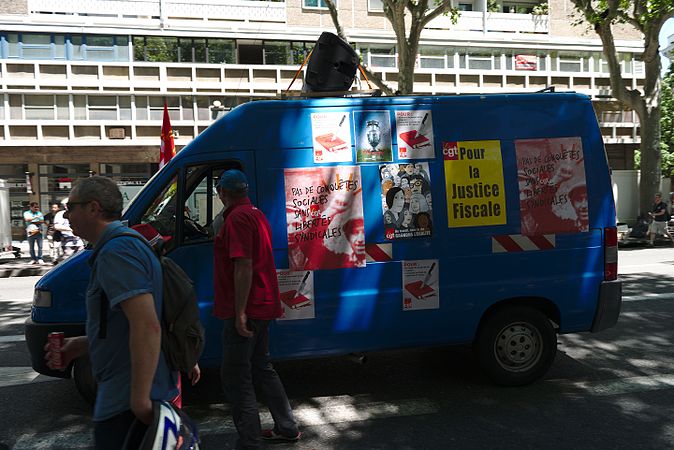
[397, 222]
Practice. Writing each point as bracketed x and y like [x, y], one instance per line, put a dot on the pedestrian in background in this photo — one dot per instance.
[33, 218]
[246, 299]
[123, 331]
[70, 242]
[660, 216]
[53, 236]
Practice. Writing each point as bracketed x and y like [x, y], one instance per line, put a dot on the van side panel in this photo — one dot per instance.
[361, 309]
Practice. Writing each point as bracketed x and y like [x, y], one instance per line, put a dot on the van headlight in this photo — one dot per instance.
[41, 299]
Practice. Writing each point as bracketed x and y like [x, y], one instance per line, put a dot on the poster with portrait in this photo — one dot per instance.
[421, 284]
[331, 137]
[324, 215]
[373, 136]
[414, 131]
[406, 200]
[552, 186]
[297, 294]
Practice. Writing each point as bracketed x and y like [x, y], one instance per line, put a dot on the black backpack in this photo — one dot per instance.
[182, 334]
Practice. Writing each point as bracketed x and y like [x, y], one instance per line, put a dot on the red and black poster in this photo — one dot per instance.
[324, 215]
[552, 186]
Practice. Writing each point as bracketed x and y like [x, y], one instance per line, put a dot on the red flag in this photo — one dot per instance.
[168, 148]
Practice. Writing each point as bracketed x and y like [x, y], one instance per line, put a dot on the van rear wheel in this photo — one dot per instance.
[516, 345]
[84, 379]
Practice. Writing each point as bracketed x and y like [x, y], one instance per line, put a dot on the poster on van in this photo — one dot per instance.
[297, 294]
[421, 288]
[331, 136]
[373, 136]
[324, 216]
[415, 134]
[474, 183]
[552, 186]
[406, 200]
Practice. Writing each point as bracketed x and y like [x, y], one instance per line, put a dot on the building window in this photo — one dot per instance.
[102, 108]
[465, 7]
[316, 4]
[277, 53]
[62, 46]
[382, 56]
[300, 51]
[434, 58]
[57, 180]
[375, 5]
[221, 51]
[39, 107]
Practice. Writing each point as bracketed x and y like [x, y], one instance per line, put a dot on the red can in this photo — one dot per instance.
[55, 344]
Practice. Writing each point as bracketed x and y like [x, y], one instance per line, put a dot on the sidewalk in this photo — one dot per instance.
[11, 266]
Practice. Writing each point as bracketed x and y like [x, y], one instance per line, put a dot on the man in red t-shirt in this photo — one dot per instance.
[246, 299]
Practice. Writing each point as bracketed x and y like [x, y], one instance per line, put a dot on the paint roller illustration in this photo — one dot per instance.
[295, 299]
[331, 141]
[415, 139]
[420, 288]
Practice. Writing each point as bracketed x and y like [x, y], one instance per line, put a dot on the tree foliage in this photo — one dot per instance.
[408, 18]
[647, 17]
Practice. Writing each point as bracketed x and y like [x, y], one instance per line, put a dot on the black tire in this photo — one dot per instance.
[84, 379]
[516, 345]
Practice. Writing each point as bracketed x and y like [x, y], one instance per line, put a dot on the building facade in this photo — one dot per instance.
[84, 82]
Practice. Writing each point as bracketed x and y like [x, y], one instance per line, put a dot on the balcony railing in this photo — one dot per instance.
[201, 10]
[495, 22]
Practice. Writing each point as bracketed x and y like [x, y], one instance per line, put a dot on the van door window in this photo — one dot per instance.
[162, 212]
[202, 204]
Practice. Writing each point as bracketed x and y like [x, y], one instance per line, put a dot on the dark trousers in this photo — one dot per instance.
[246, 366]
[110, 434]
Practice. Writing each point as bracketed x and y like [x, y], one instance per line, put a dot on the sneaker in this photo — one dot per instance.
[33, 262]
[40, 261]
[271, 435]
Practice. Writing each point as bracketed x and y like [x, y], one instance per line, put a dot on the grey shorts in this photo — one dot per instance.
[658, 227]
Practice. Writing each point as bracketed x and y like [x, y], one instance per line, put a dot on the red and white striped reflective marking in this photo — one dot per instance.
[520, 243]
[379, 252]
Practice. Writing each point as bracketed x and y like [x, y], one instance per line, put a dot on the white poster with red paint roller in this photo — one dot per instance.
[331, 137]
[421, 286]
[297, 294]
[324, 216]
[414, 130]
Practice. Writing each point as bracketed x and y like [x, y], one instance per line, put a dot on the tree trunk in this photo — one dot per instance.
[406, 61]
[650, 159]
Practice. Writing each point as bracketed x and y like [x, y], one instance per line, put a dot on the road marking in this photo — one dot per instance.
[10, 339]
[322, 411]
[18, 376]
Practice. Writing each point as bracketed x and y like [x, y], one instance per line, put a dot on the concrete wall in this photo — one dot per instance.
[626, 193]
[14, 7]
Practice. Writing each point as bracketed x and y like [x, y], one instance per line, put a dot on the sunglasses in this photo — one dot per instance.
[71, 205]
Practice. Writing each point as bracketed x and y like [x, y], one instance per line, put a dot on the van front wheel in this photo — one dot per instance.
[516, 345]
[84, 379]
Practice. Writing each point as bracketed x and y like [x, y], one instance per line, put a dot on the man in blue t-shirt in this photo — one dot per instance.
[126, 359]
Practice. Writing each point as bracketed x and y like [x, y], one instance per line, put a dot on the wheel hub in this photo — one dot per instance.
[518, 347]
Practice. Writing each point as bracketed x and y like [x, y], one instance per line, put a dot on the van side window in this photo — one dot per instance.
[202, 205]
[161, 213]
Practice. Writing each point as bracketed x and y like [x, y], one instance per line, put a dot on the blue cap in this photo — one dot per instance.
[233, 180]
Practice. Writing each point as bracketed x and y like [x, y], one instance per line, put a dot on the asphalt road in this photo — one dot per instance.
[613, 389]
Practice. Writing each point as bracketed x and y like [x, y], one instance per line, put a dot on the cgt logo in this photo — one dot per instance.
[450, 151]
[390, 233]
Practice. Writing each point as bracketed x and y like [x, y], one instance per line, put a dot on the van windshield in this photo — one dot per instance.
[162, 212]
